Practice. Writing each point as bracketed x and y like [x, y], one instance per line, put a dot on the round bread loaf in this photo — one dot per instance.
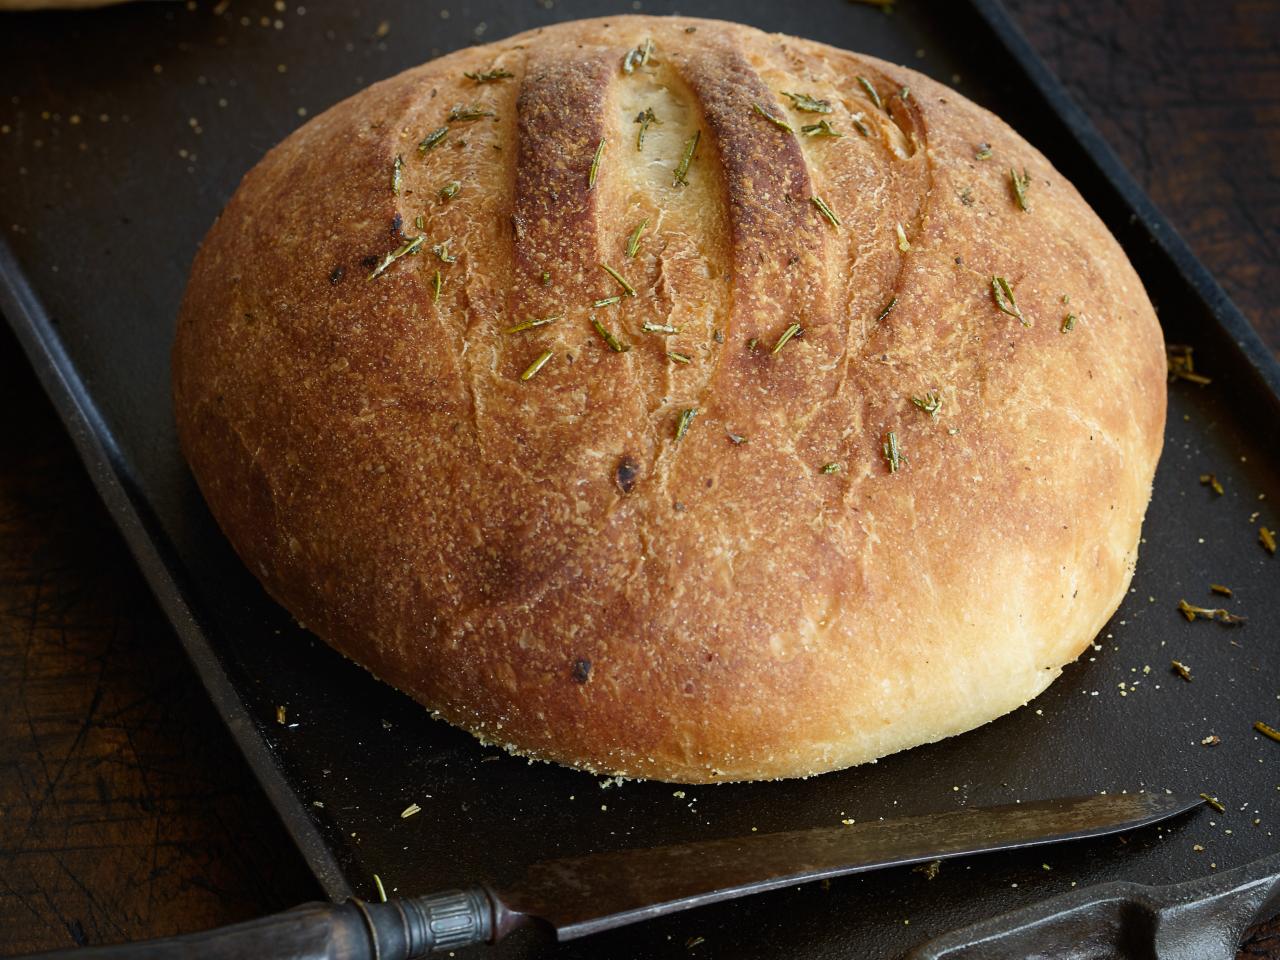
[669, 399]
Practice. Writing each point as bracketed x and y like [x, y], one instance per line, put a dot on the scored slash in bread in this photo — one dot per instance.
[817, 470]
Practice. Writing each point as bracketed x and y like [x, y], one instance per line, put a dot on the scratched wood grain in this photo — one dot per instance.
[125, 811]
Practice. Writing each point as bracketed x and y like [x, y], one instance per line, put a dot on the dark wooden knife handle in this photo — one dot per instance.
[396, 930]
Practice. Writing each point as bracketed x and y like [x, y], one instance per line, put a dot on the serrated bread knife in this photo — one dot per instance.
[580, 896]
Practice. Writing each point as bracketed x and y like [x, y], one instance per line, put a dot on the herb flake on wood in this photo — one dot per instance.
[1181, 669]
[1225, 617]
[1267, 730]
[1182, 366]
[1211, 481]
[1268, 540]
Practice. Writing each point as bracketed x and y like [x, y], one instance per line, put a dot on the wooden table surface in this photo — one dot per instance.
[126, 811]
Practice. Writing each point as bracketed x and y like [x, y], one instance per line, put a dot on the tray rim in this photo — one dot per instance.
[165, 574]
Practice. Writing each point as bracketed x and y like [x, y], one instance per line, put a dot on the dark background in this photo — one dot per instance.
[125, 809]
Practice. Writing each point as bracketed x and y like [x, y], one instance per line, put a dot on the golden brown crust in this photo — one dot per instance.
[543, 562]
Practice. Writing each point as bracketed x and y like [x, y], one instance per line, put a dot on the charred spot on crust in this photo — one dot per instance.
[396, 223]
[626, 473]
[336, 275]
[581, 671]
[370, 261]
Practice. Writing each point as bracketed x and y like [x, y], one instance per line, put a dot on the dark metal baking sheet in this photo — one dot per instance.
[122, 133]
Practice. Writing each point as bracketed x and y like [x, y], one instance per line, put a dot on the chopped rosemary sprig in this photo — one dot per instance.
[888, 309]
[461, 114]
[382, 892]
[595, 165]
[930, 403]
[1211, 481]
[607, 302]
[406, 249]
[1191, 611]
[861, 127]
[545, 278]
[826, 211]
[650, 327]
[633, 241]
[903, 243]
[1267, 730]
[830, 468]
[1020, 184]
[1182, 364]
[397, 175]
[753, 343]
[436, 284]
[537, 365]
[682, 171]
[1220, 590]
[1002, 292]
[682, 424]
[637, 57]
[616, 345]
[1068, 323]
[787, 334]
[1213, 802]
[679, 357]
[420, 222]
[432, 139]
[1268, 540]
[776, 121]
[627, 288]
[808, 104]
[893, 453]
[822, 128]
[983, 152]
[450, 190]
[530, 324]
[490, 76]
[644, 118]
[871, 92]
[1182, 670]
[411, 810]
[736, 439]
[441, 250]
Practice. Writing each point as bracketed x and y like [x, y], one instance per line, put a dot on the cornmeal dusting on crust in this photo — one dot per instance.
[573, 566]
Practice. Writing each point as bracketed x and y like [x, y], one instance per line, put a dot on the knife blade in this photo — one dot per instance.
[579, 896]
